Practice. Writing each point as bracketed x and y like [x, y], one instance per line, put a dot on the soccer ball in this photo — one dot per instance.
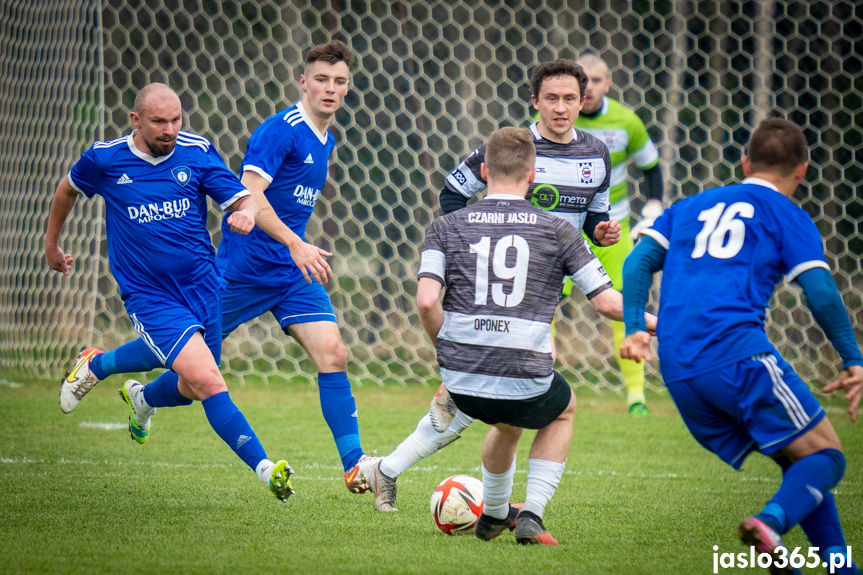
[456, 504]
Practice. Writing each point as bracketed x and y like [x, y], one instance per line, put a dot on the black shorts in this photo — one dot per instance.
[534, 413]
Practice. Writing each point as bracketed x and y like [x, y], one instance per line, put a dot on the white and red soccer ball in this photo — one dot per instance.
[456, 504]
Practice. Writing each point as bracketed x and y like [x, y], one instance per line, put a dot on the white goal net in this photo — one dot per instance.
[431, 80]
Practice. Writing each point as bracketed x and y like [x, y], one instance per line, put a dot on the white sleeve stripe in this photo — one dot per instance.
[646, 156]
[662, 240]
[802, 267]
[260, 172]
[433, 262]
[72, 183]
[234, 198]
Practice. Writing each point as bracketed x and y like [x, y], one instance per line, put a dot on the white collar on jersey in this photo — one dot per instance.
[308, 120]
[538, 136]
[760, 182]
[603, 110]
[504, 197]
[143, 155]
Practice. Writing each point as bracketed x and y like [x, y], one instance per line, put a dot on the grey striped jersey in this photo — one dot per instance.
[571, 179]
[502, 261]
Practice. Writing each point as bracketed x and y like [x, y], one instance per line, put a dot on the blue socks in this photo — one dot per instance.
[163, 392]
[806, 486]
[128, 358]
[340, 413]
[231, 425]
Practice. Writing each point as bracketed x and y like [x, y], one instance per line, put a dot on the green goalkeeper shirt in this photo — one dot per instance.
[625, 135]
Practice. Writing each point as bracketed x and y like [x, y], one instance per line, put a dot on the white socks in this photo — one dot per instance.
[264, 469]
[421, 443]
[543, 477]
[496, 490]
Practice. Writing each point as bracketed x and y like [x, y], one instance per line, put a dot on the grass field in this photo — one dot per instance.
[638, 496]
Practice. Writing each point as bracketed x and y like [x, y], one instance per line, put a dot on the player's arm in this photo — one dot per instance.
[451, 201]
[609, 302]
[307, 257]
[646, 259]
[601, 230]
[429, 306]
[825, 303]
[652, 189]
[61, 206]
[243, 214]
[464, 182]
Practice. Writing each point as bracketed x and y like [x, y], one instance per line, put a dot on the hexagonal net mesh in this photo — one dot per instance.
[431, 80]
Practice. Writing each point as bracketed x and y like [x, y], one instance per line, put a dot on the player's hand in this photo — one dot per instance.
[652, 210]
[310, 260]
[607, 233]
[241, 221]
[58, 260]
[851, 380]
[636, 347]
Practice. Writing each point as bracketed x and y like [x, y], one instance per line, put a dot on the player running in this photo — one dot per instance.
[722, 253]
[155, 182]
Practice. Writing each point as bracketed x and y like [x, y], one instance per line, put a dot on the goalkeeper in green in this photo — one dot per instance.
[624, 134]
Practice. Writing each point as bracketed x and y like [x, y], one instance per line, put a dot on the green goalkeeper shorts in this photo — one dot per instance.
[610, 257]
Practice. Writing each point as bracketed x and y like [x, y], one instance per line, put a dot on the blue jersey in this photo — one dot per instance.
[156, 214]
[290, 153]
[726, 250]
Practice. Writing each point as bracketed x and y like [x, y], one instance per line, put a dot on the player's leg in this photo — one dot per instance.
[546, 465]
[93, 365]
[423, 442]
[812, 465]
[498, 469]
[552, 413]
[612, 258]
[190, 343]
[323, 342]
[199, 378]
[779, 416]
[822, 526]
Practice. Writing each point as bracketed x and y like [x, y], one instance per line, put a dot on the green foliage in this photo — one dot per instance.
[638, 495]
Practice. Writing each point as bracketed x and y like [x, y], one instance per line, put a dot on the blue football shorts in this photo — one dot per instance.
[294, 302]
[755, 404]
[166, 326]
[758, 403]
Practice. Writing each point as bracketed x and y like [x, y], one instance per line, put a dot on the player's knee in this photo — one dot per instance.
[334, 355]
[206, 383]
[837, 463]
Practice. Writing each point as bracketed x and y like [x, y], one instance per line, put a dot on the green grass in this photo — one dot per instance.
[638, 495]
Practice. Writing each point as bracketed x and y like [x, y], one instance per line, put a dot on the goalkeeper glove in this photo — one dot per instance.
[651, 210]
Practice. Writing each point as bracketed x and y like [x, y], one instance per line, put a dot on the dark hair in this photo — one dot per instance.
[332, 52]
[510, 154]
[777, 146]
[557, 68]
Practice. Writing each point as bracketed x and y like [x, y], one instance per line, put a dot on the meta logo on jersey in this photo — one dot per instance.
[586, 173]
[306, 195]
[182, 174]
[146, 213]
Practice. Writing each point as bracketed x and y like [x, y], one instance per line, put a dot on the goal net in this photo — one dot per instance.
[431, 80]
